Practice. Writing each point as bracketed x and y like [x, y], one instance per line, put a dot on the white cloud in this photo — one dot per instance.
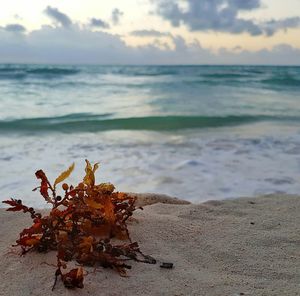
[71, 43]
[80, 45]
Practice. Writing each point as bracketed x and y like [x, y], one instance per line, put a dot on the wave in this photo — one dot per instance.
[136, 71]
[12, 76]
[52, 71]
[272, 76]
[93, 123]
[224, 75]
[22, 71]
[282, 81]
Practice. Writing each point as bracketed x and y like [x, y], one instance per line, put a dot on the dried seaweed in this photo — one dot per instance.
[86, 224]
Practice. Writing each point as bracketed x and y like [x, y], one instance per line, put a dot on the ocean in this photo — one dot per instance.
[194, 132]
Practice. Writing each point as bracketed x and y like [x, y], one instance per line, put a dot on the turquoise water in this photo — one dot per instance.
[197, 132]
[69, 94]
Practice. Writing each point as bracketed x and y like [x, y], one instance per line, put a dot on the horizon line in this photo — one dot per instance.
[149, 65]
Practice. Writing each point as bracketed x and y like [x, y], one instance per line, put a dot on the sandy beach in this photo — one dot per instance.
[246, 246]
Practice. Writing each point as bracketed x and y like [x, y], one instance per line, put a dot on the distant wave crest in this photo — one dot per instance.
[283, 81]
[23, 71]
[263, 77]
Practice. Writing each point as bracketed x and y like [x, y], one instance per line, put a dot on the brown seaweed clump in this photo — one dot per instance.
[86, 224]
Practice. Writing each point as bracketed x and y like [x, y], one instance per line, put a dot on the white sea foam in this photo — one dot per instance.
[197, 165]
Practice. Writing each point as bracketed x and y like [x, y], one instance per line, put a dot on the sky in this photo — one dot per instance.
[150, 31]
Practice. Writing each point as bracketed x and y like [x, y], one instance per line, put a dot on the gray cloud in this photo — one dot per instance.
[58, 16]
[149, 33]
[220, 15]
[78, 44]
[272, 26]
[245, 4]
[116, 15]
[15, 28]
[94, 22]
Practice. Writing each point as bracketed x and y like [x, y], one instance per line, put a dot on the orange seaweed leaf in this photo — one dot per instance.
[16, 205]
[64, 175]
[90, 202]
[45, 185]
[73, 279]
[89, 178]
[29, 241]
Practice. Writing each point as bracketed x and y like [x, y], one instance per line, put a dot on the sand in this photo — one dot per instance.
[246, 246]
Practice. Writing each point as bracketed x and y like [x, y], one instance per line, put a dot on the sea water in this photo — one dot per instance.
[194, 132]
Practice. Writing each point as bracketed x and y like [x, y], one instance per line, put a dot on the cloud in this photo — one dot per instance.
[220, 15]
[272, 26]
[94, 22]
[245, 4]
[116, 15]
[17, 28]
[149, 33]
[78, 44]
[58, 16]
[281, 54]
